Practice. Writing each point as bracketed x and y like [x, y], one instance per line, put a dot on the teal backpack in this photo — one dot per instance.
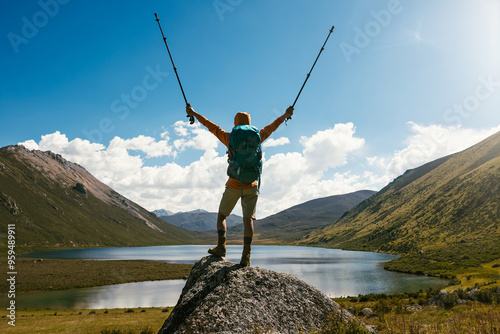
[245, 154]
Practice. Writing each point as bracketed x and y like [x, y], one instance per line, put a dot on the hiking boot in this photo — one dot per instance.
[220, 249]
[245, 257]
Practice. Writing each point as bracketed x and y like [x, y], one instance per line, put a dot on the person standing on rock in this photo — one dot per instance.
[243, 137]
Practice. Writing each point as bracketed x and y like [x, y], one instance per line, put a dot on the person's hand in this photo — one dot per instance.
[190, 111]
[289, 112]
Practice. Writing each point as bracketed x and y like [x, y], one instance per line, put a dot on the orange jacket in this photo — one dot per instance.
[241, 118]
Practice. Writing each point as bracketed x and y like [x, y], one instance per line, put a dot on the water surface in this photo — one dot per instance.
[335, 272]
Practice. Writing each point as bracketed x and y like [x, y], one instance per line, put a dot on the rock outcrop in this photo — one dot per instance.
[10, 204]
[222, 297]
[81, 189]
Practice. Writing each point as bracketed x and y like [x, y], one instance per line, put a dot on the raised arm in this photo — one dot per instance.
[222, 135]
[266, 132]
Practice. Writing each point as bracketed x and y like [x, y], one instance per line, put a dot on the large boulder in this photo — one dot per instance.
[222, 297]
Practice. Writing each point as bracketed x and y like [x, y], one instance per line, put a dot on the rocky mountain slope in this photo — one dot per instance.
[444, 213]
[222, 297]
[56, 203]
[299, 220]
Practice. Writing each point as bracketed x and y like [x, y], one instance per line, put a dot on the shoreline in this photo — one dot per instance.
[42, 275]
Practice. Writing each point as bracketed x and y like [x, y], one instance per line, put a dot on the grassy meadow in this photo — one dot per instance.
[403, 313]
[113, 321]
[62, 274]
[428, 312]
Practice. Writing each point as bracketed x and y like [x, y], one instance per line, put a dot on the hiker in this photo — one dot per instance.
[235, 189]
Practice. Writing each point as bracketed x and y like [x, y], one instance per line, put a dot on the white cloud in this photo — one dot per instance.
[329, 148]
[202, 140]
[181, 128]
[121, 166]
[145, 144]
[289, 178]
[165, 135]
[276, 142]
[296, 177]
[30, 145]
[431, 142]
[376, 161]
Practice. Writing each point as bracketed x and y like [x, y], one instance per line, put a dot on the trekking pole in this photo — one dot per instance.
[308, 74]
[191, 118]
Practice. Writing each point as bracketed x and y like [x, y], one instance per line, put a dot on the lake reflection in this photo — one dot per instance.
[335, 272]
[127, 295]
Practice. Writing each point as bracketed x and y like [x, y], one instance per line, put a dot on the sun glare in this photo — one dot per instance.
[486, 32]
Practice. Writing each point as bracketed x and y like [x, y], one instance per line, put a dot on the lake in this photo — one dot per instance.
[335, 272]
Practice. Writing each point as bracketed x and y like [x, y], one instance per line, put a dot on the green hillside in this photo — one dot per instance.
[57, 204]
[441, 216]
[293, 223]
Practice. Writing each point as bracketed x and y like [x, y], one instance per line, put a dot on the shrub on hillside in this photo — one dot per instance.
[336, 325]
[447, 301]
[485, 296]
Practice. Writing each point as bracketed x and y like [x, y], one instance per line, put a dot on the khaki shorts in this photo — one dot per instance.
[248, 201]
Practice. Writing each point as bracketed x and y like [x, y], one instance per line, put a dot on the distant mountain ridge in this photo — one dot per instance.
[449, 207]
[162, 212]
[299, 220]
[56, 203]
[165, 213]
[200, 220]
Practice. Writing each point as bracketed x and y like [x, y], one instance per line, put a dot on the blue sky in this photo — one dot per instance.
[399, 83]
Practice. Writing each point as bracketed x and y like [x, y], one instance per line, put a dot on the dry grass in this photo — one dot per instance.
[475, 318]
[393, 316]
[123, 321]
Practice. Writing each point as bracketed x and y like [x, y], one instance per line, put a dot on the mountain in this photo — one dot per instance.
[444, 214]
[55, 203]
[200, 220]
[162, 212]
[297, 221]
